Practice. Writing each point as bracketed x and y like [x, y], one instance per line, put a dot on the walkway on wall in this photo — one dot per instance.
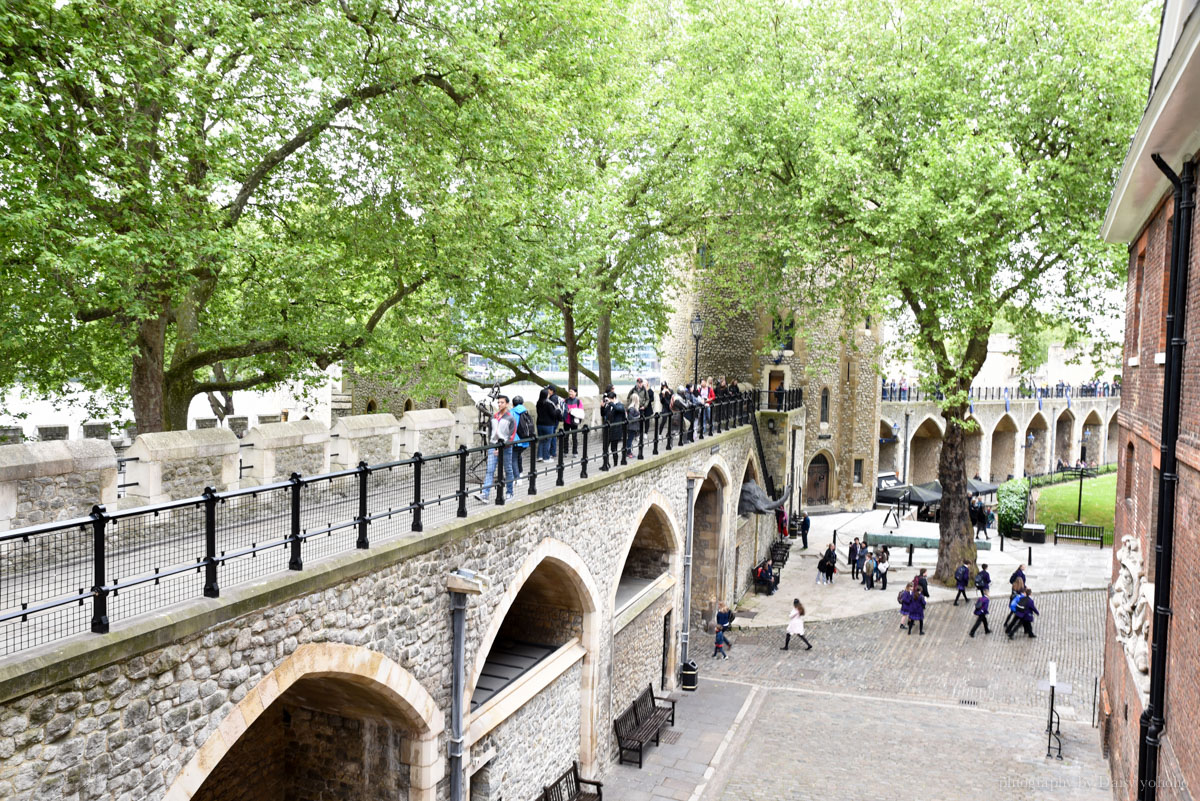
[61, 579]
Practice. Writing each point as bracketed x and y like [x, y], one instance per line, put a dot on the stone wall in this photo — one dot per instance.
[637, 654]
[280, 449]
[537, 743]
[171, 465]
[370, 438]
[428, 432]
[41, 482]
[330, 756]
[158, 688]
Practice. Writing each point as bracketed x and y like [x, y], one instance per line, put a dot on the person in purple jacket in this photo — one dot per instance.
[981, 612]
[916, 610]
[1025, 611]
[961, 576]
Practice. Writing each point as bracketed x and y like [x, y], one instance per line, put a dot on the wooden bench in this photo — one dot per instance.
[642, 722]
[569, 787]
[1084, 532]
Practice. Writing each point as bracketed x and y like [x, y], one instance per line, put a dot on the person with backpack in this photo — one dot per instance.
[503, 432]
[614, 414]
[981, 613]
[860, 562]
[547, 424]
[795, 626]
[961, 576]
[560, 416]
[869, 572]
[1019, 573]
[904, 598]
[916, 610]
[525, 432]
[664, 408]
[1024, 610]
[681, 405]
[922, 582]
[983, 580]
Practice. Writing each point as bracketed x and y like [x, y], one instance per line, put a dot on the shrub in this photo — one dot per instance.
[1011, 498]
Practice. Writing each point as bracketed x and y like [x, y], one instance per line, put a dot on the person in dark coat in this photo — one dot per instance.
[916, 610]
[719, 644]
[922, 581]
[768, 575]
[852, 558]
[829, 563]
[1024, 611]
[961, 576]
[805, 524]
[861, 560]
[724, 616]
[981, 613]
[905, 598]
[983, 580]
[1019, 573]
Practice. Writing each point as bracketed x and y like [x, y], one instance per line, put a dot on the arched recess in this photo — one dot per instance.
[364, 704]
[924, 451]
[1064, 437]
[820, 479]
[550, 602]
[889, 449]
[1037, 449]
[708, 538]
[973, 449]
[1091, 443]
[372, 406]
[1110, 451]
[408, 404]
[1004, 447]
[643, 606]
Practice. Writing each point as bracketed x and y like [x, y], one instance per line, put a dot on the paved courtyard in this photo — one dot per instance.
[872, 712]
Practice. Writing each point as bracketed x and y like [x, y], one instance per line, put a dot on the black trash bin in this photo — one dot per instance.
[689, 674]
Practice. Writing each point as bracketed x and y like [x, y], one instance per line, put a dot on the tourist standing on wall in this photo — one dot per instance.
[560, 416]
[796, 626]
[633, 413]
[547, 424]
[572, 420]
[525, 430]
[664, 408]
[504, 430]
[645, 402]
[916, 610]
[981, 613]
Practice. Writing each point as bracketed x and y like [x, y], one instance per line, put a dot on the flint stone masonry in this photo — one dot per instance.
[638, 652]
[137, 704]
[427, 431]
[370, 438]
[172, 465]
[280, 449]
[41, 482]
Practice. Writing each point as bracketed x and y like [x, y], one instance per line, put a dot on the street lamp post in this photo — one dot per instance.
[1082, 470]
[697, 332]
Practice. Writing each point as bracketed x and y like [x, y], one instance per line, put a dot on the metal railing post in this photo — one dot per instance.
[657, 425]
[295, 562]
[99, 594]
[533, 463]
[583, 464]
[562, 457]
[211, 588]
[500, 482]
[671, 422]
[606, 434]
[642, 440]
[462, 480]
[362, 543]
[417, 504]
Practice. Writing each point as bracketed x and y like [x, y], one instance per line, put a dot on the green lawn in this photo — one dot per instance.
[1059, 502]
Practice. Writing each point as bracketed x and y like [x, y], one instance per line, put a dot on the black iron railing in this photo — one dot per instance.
[66, 577]
[889, 391]
[780, 400]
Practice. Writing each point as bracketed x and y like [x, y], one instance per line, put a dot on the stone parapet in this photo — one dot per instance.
[427, 431]
[280, 449]
[41, 482]
[370, 438]
[170, 465]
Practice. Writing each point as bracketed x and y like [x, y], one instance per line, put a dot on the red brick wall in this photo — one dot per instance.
[1139, 423]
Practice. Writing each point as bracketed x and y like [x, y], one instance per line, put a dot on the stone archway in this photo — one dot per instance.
[1110, 451]
[1064, 437]
[386, 720]
[925, 450]
[551, 601]
[1037, 445]
[889, 449]
[1004, 450]
[1091, 441]
[708, 526]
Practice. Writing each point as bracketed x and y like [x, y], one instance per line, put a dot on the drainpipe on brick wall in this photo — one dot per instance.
[1153, 721]
[685, 629]
[460, 583]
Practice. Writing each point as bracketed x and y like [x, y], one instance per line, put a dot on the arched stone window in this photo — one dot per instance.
[825, 405]
[1129, 472]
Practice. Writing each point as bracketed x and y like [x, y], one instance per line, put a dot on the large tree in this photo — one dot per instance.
[946, 162]
[209, 197]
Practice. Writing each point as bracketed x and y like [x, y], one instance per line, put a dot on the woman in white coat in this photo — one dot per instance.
[796, 625]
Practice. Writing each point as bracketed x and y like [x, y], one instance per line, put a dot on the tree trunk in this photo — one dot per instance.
[146, 381]
[177, 398]
[957, 537]
[604, 348]
[572, 343]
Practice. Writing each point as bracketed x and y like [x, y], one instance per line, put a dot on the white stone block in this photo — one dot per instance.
[279, 449]
[179, 464]
[373, 438]
[428, 431]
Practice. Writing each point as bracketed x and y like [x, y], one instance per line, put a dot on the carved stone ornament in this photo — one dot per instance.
[1132, 603]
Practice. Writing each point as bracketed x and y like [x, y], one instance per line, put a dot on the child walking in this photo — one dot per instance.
[720, 643]
[796, 625]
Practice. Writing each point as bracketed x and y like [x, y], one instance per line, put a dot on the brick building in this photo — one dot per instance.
[1143, 214]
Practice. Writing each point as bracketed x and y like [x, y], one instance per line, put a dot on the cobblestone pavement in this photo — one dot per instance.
[1053, 568]
[874, 712]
